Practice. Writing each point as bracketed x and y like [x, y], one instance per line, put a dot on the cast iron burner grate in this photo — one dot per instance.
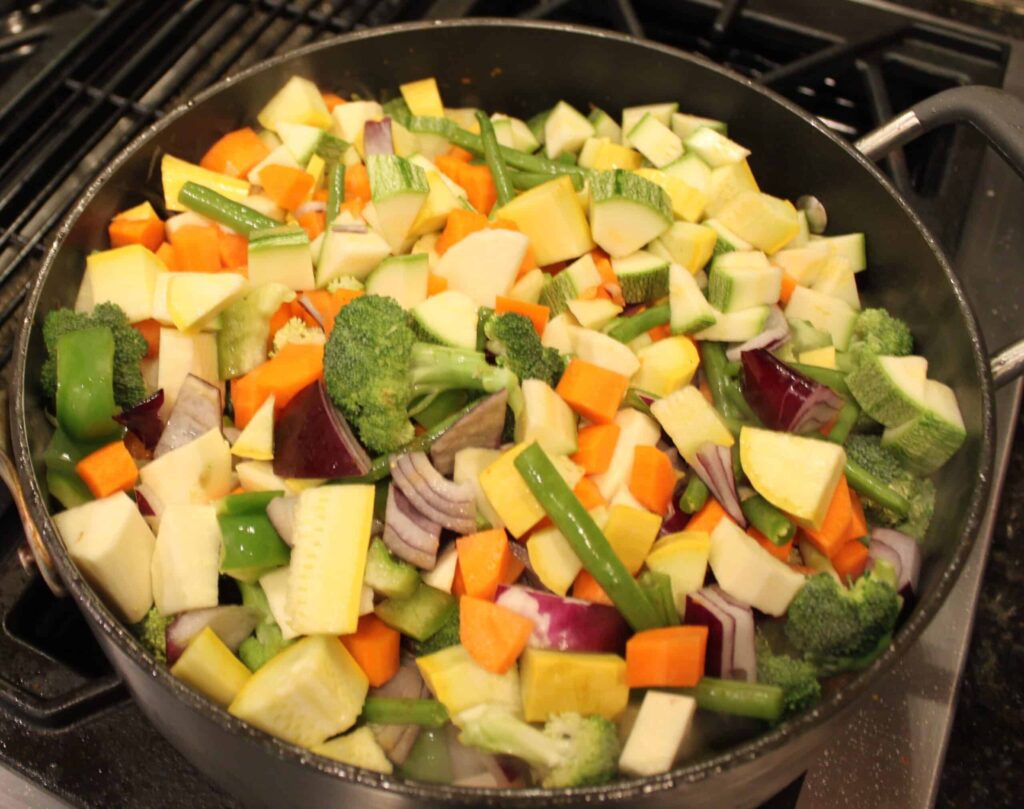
[78, 80]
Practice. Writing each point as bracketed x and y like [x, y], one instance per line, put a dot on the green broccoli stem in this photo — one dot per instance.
[525, 180]
[844, 423]
[826, 376]
[738, 698]
[629, 328]
[768, 520]
[694, 496]
[585, 538]
[875, 489]
[427, 713]
[494, 160]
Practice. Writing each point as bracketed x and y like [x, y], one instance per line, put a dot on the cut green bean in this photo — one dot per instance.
[525, 180]
[240, 218]
[428, 713]
[335, 189]
[494, 160]
[658, 588]
[634, 400]
[733, 369]
[844, 423]
[863, 482]
[738, 697]
[629, 328]
[585, 538]
[713, 362]
[694, 496]
[768, 520]
[826, 376]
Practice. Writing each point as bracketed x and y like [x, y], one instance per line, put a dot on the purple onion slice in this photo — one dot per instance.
[783, 398]
[714, 466]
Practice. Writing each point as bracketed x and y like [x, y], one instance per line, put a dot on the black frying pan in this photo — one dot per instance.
[520, 68]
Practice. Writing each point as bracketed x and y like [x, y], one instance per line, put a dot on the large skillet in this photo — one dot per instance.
[520, 68]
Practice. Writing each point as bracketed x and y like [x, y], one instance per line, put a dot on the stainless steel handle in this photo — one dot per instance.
[33, 551]
[999, 116]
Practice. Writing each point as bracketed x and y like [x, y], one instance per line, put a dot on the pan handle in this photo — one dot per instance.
[33, 553]
[999, 116]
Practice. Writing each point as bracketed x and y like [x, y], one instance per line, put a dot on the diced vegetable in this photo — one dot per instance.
[493, 635]
[657, 734]
[459, 683]
[186, 558]
[572, 682]
[208, 666]
[374, 646]
[672, 656]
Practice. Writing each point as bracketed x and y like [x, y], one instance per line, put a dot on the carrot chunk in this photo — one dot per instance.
[197, 248]
[283, 376]
[375, 646]
[109, 469]
[493, 635]
[235, 154]
[595, 445]
[287, 186]
[592, 391]
[537, 313]
[670, 657]
[483, 558]
[653, 479]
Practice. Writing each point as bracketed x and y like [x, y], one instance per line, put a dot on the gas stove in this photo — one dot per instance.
[78, 80]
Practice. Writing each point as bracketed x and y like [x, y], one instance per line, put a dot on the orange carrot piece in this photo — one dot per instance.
[314, 223]
[513, 570]
[235, 154]
[780, 552]
[588, 494]
[788, 285]
[537, 313]
[197, 248]
[479, 186]
[858, 526]
[592, 391]
[710, 514]
[595, 445]
[586, 588]
[604, 266]
[459, 225]
[483, 557]
[109, 469]
[354, 206]
[357, 182]
[293, 368]
[850, 560]
[166, 254]
[287, 186]
[660, 332]
[653, 479]
[829, 538]
[375, 646]
[278, 320]
[493, 635]
[672, 656]
[459, 154]
[320, 195]
[328, 304]
[150, 329]
[333, 100]
[147, 232]
[458, 583]
[436, 284]
[234, 250]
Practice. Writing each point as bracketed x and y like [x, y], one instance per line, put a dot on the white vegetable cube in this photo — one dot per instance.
[546, 419]
[685, 125]
[741, 280]
[125, 276]
[281, 255]
[803, 264]
[750, 574]
[823, 312]
[662, 113]
[604, 351]
[683, 557]
[275, 588]
[449, 318]
[193, 298]
[196, 472]
[186, 559]
[655, 141]
[484, 264]
[690, 420]
[594, 314]
[557, 334]
[635, 430]
[181, 355]
[258, 476]
[714, 148]
[349, 253]
[442, 577]
[736, 327]
[399, 190]
[553, 559]
[113, 547]
[469, 463]
[726, 183]
[658, 733]
[299, 101]
[565, 130]
[528, 287]
[837, 280]
[350, 118]
[256, 441]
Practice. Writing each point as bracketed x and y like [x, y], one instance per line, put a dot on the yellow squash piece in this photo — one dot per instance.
[209, 667]
[553, 219]
[631, 532]
[667, 365]
[767, 222]
[193, 298]
[690, 420]
[572, 682]
[125, 276]
[298, 102]
[616, 156]
[683, 557]
[256, 441]
[310, 691]
[358, 748]
[423, 97]
[726, 183]
[175, 173]
[687, 202]
[824, 357]
[459, 682]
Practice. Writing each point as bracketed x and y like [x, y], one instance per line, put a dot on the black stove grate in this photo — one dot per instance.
[78, 80]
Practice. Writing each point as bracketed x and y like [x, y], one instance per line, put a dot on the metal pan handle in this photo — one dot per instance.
[998, 116]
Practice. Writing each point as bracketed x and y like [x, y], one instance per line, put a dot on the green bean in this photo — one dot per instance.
[658, 589]
[863, 482]
[525, 180]
[694, 496]
[629, 328]
[738, 698]
[427, 713]
[492, 154]
[585, 538]
[335, 189]
[713, 361]
[826, 376]
[734, 393]
[768, 520]
[844, 423]
[633, 400]
[733, 369]
[240, 218]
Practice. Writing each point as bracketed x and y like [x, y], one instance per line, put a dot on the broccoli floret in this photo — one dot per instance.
[868, 452]
[345, 282]
[435, 369]
[267, 640]
[152, 633]
[366, 370]
[875, 331]
[571, 751]
[797, 678]
[447, 635]
[129, 349]
[842, 630]
[297, 332]
[512, 338]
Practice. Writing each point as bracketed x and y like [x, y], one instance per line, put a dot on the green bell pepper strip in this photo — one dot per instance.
[430, 758]
[234, 505]
[428, 713]
[585, 538]
[240, 218]
[768, 520]
[694, 496]
[335, 189]
[85, 384]
[525, 180]
[629, 328]
[738, 698]
[492, 155]
[251, 544]
[844, 423]
[863, 482]
[61, 456]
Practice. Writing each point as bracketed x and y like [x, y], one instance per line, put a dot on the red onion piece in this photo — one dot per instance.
[566, 624]
[407, 533]
[708, 611]
[774, 334]
[714, 467]
[906, 548]
[142, 501]
[143, 419]
[480, 426]
[451, 505]
[353, 227]
[783, 398]
[232, 623]
[310, 206]
[377, 137]
[197, 410]
[744, 654]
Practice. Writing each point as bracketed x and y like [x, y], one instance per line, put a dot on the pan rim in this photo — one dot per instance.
[688, 774]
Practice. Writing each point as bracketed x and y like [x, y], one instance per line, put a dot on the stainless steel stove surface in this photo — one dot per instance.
[80, 79]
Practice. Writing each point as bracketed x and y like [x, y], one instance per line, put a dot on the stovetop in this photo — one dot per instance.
[79, 79]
